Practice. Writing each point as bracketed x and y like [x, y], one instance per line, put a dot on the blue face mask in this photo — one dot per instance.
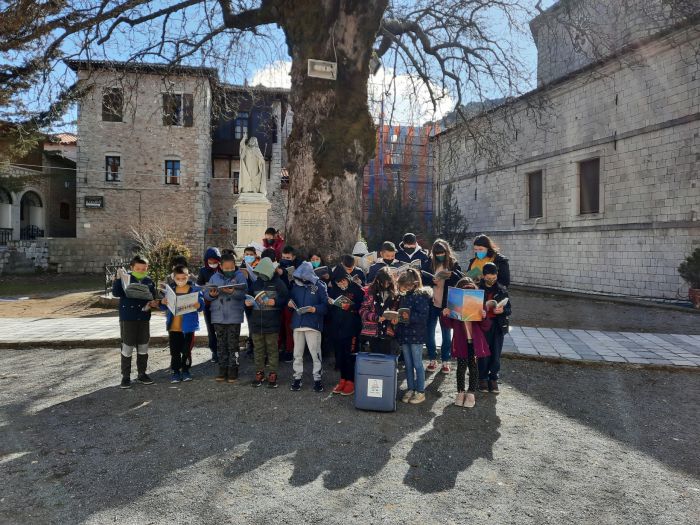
[481, 255]
[250, 259]
[315, 264]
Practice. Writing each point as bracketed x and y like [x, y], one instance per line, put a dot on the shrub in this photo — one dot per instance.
[689, 269]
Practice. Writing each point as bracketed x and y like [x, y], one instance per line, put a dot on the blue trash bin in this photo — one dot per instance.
[375, 382]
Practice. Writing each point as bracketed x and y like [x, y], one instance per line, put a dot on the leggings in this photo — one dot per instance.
[462, 365]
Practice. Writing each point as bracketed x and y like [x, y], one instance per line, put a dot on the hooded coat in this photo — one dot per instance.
[418, 301]
[267, 319]
[312, 293]
[418, 255]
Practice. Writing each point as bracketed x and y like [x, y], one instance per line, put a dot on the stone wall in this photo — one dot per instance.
[643, 124]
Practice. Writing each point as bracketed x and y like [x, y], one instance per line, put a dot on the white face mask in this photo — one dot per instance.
[213, 266]
[181, 283]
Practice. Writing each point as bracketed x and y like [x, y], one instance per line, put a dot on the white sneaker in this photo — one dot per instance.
[407, 396]
[418, 397]
[459, 400]
[469, 400]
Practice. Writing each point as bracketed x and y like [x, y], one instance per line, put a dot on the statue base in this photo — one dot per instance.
[251, 210]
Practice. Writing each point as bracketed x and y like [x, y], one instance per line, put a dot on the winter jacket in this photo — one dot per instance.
[205, 273]
[359, 272]
[459, 337]
[284, 264]
[428, 277]
[501, 261]
[498, 292]
[419, 254]
[346, 323]
[190, 321]
[277, 244]
[372, 309]
[372, 273]
[267, 319]
[415, 331]
[313, 293]
[132, 309]
[227, 308]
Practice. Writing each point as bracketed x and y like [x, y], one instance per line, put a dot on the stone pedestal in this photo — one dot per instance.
[251, 210]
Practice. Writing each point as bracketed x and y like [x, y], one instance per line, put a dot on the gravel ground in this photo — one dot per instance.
[560, 444]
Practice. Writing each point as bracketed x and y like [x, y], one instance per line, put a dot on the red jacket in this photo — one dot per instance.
[277, 245]
[459, 337]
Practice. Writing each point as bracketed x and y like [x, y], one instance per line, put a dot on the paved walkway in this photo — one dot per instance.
[574, 345]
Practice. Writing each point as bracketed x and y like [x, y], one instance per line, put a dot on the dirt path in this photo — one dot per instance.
[560, 444]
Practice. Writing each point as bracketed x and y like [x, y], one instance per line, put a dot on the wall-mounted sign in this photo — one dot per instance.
[322, 69]
[94, 202]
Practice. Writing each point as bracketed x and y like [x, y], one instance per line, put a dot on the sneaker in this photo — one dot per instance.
[221, 376]
[407, 396]
[144, 379]
[259, 379]
[348, 389]
[126, 383]
[418, 397]
[288, 358]
[296, 385]
[483, 386]
[175, 378]
[493, 386]
[272, 380]
[318, 386]
[445, 368]
[459, 400]
[186, 376]
[339, 387]
[469, 400]
[214, 357]
[432, 366]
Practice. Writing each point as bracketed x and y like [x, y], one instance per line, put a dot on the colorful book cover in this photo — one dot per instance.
[465, 305]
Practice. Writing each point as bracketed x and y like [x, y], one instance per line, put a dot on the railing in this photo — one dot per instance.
[5, 236]
[29, 233]
[111, 272]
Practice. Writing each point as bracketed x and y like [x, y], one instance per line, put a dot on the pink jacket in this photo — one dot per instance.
[459, 337]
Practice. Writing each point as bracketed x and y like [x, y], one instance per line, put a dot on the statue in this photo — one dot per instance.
[252, 171]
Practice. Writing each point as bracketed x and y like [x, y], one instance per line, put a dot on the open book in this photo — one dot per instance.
[181, 304]
[415, 264]
[261, 298]
[235, 286]
[135, 290]
[302, 310]
[365, 261]
[465, 305]
[290, 273]
[493, 304]
[403, 315]
[475, 274]
[443, 275]
[339, 301]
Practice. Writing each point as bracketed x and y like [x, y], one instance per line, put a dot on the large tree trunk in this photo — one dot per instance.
[333, 135]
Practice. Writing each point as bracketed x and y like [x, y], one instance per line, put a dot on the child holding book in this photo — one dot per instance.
[410, 332]
[380, 296]
[181, 328]
[468, 344]
[135, 303]
[355, 272]
[498, 312]
[212, 261]
[309, 303]
[285, 342]
[264, 319]
[387, 255]
[226, 293]
[344, 299]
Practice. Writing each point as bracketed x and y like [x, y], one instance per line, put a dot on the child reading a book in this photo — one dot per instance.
[498, 311]
[446, 272]
[410, 332]
[226, 292]
[212, 261]
[378, 330]
[468, 345]
[288, 263]
[181, 328]
[355, 272]
[135, 301]
[309, 302]
[388, 259]
[268, 295]
[344, 299]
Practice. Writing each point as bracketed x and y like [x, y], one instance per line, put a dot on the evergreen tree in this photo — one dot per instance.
[452, 225]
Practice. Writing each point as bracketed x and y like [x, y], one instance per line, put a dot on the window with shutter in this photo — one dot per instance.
[172, 109]
[188, 110]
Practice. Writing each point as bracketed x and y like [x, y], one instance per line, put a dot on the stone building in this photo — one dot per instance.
[596, 187]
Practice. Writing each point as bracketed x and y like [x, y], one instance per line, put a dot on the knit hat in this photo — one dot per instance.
[489, 269]
[360, 248]
[410, 238]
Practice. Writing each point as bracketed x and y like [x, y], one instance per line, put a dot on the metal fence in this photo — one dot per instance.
[29, 233]
[5, 236]
[111, 271]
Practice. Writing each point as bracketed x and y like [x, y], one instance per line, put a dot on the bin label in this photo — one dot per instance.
[375, 387]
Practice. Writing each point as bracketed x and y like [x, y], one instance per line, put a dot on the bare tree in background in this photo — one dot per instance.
[465, 47]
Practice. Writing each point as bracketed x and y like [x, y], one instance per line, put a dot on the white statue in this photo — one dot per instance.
[252, 172]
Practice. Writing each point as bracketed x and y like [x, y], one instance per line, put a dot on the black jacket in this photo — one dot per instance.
[267, 319]
[345, 323]
[378, 266]
[498, 292]
[132, 309]
[501, 262]
[420, 254]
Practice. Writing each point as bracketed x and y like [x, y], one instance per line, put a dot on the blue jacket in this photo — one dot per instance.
[415, 331]
[132, 309]
[313, 293]
[190, 321]
[227, 308]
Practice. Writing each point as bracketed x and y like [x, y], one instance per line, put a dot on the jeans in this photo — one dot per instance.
[490, 366]
[446, 347]
[180, 350]
[415, 374]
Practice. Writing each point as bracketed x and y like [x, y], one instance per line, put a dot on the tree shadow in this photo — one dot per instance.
[459, 437]
[653, 411]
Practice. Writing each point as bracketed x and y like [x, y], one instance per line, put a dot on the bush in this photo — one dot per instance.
[689, 269]
[160, 248]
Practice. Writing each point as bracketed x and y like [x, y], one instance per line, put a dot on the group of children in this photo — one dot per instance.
[292, 305]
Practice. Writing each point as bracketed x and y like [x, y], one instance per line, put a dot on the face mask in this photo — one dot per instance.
[229, 274]
[490, 280]
[285, 263]
[315, 264]
[440, 258]
[181, 283]
[409, 250]
[269, 241]
[388, 261]
[213, 266]
[250, 259]
[139, 275]
[480, 255]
